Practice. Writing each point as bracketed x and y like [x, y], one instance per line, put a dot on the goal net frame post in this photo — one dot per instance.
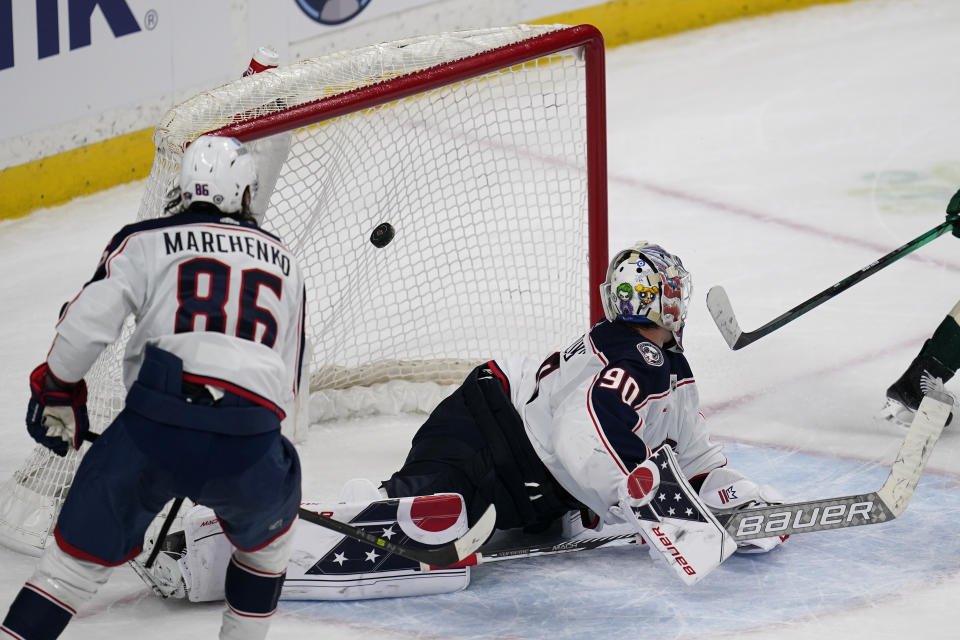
[586, 36]
[585, 39]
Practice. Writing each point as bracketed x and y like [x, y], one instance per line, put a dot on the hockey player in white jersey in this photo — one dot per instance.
[610, 426]
[211, 368]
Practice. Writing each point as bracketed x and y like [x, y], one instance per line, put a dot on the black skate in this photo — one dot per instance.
[904, 395]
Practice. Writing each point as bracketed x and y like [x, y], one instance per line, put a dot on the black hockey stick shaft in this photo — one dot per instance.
[91, 436]
[569, 546]
[438, 557]
[726, 321]
[164, 530]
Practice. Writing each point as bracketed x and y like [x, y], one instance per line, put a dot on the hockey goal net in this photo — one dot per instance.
[484, 150]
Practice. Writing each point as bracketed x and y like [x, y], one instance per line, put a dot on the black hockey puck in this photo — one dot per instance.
[382, 235]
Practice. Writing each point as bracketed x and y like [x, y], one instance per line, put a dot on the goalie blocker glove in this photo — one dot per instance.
[672, 519]
[57, 411]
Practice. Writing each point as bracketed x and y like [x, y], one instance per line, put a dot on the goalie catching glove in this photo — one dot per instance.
[727, 491]
[57, 412]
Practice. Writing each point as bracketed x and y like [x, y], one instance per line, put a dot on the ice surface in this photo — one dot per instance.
[776, 156]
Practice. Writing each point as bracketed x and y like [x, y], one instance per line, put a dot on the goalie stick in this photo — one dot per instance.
[567, 546]
[883, 505]
[722, 311]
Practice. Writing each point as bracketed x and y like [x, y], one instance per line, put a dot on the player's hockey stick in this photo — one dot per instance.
[568, 546]
[439, 557]
[882, 505]
[722, 311]
[164, 530]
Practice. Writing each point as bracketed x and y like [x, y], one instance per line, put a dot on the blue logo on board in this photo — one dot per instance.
[332, 12]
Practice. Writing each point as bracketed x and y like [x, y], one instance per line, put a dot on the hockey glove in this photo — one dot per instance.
[953, 213]
[57, 412]
[726, 491]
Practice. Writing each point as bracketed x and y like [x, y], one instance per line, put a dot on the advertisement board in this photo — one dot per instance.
[85, 81]
[73, 59]
[114, 66]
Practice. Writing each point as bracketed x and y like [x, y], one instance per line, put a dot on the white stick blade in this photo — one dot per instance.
[923, 434]
[722, 311]
[478, 534]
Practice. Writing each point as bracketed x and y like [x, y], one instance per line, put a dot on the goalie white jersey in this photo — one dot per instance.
[597, 410]
[195, 283]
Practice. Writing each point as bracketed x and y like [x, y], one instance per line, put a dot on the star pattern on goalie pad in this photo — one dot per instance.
[352, 556]
[671, 502]
[349, 555]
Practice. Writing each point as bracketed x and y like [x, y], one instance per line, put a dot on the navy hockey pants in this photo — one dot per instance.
[474, 444]
[142, 461]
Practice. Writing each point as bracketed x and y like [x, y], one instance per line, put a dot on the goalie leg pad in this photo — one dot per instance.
[207, 555]
[326, 565]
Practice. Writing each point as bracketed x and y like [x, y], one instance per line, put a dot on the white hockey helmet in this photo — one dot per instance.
[217, 170]
[647, 285]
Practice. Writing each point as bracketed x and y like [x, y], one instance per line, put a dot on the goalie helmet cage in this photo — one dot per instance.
[486, 152]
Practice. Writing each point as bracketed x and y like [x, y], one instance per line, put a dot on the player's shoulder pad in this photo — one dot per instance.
[166, 222]
[647, 363]
[182, 219]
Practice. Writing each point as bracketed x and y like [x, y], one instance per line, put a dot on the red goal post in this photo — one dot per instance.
[486, 151]
[519, 112]
[586, 37]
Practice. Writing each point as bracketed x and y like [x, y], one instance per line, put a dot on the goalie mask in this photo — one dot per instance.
[647, 285]
[217, 170]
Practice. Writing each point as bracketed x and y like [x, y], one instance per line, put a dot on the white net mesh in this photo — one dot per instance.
[483, 177]
[484, 181]
[31, 499]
